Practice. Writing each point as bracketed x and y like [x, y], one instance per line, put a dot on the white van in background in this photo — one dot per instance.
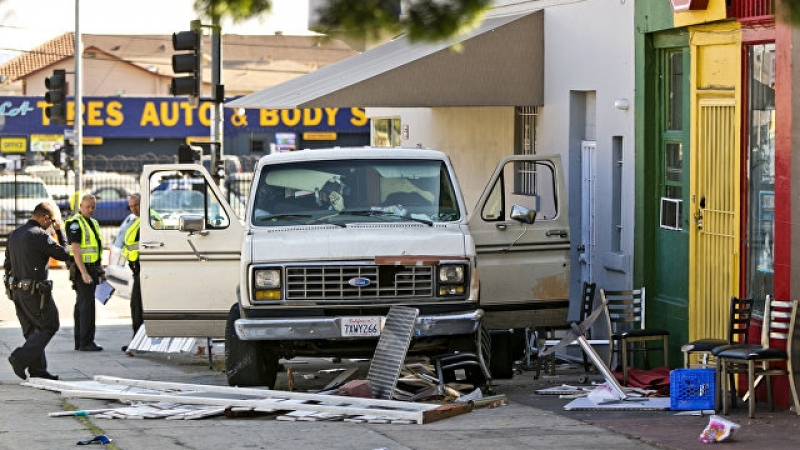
[19, 194]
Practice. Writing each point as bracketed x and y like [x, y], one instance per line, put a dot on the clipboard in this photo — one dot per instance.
[103, 292]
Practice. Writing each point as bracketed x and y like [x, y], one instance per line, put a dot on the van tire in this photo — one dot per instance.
[247, 363]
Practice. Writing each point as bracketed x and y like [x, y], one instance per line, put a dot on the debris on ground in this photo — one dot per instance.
[350, 401]
[718, 430]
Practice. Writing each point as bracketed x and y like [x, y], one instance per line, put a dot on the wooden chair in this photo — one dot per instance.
[780, 327]
[625, 313]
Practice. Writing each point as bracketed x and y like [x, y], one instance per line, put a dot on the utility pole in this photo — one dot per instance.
[218, 97]
[78, 121]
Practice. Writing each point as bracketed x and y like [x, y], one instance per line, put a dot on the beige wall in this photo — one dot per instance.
[102, 78]
[475, 139]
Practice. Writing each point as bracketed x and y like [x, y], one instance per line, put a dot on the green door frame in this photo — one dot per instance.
[661, 254]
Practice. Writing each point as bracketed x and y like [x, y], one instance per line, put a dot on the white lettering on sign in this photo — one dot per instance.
[7, 109]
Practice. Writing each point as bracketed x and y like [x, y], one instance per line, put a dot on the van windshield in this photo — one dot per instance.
[341, 192]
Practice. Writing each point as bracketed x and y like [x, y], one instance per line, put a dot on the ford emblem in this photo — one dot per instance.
[358, 282]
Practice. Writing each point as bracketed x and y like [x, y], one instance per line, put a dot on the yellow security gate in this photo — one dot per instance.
[713, 244]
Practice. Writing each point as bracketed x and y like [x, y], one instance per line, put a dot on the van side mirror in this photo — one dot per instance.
[523, 214]
[193, 223]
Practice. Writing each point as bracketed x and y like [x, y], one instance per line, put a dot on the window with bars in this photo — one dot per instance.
[672, 168]
[525, 144]
[386, 132]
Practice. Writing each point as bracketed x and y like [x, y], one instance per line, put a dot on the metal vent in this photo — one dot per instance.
[391, 350]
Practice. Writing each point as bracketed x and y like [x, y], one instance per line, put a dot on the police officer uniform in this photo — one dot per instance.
[28, 252]
[131, 252]
[85, 232]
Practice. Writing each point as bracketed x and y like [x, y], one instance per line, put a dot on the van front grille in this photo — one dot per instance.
[367, 283]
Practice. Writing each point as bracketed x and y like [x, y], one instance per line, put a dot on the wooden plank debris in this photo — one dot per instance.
[155, 399]
[142, 342]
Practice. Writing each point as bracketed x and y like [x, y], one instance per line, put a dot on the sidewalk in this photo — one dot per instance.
[769, 430]
[531, 421]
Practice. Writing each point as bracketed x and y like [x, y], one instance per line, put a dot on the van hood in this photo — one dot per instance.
[357, 242]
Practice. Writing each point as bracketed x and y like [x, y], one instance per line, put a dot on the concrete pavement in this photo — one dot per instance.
[530, 421]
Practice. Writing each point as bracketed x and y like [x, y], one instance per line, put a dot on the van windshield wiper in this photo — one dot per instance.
[380, 213]
[266, 218]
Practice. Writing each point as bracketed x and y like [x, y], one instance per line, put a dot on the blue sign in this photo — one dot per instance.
[167, 117]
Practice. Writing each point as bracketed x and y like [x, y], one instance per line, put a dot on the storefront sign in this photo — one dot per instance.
[46, 142]
[687, 5]
[167, 117]
[319, 136]
[13, 145]
[92, 140]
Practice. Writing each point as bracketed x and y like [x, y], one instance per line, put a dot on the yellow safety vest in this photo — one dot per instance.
[90, 246]
[75, 200]
[131, 247]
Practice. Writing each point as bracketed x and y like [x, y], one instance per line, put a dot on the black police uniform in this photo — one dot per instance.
[84, 312]
[28, 254]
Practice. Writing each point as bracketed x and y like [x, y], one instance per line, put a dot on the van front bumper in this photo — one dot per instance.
[312, 328]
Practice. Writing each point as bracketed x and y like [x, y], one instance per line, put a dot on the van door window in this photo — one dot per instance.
[178, 193]
[525, 183]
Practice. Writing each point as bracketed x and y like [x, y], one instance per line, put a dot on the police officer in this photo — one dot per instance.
[28, 254]
[131, 252]
[83, 233]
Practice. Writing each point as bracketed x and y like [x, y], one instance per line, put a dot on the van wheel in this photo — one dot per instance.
[247, 363]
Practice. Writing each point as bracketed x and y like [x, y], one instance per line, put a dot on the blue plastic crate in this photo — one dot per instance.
[691, 389]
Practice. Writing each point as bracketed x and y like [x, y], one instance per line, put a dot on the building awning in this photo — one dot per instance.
[500, 63]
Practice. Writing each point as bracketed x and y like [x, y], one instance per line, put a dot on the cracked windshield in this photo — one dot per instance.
[343, 192]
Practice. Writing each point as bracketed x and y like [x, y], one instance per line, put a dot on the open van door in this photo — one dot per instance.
[189, 250]
[521, 232]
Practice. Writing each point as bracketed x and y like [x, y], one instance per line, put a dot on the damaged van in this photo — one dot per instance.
[332, 238]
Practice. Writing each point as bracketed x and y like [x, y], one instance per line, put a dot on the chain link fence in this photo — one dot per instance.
[119, 176]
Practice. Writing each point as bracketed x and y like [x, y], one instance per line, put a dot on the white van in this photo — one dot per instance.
[19, 194]
[333, 238]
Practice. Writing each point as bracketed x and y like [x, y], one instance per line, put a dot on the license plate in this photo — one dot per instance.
[361, 326]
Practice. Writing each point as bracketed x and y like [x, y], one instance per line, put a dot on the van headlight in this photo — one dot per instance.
[267, 284]
[452, 280]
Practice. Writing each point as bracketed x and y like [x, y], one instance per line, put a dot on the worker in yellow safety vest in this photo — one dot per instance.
[130, 250]
[74, 201]
[83, 234]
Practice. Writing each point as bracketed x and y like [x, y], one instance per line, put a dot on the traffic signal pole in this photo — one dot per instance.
[217, 96]
[78, 124]
[189, 63]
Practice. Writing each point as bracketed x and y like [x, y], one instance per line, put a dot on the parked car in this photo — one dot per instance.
[112, 205]
[118, 274]
[19, 194]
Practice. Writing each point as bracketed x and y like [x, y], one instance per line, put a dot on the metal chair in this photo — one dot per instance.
[625, 313]
[738, 325]
[756, 361]
[739, 315]
[587, 303]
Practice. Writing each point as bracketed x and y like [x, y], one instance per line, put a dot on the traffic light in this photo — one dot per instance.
[189, 154]
[190, 63]
[68, 155]
[56, 95]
